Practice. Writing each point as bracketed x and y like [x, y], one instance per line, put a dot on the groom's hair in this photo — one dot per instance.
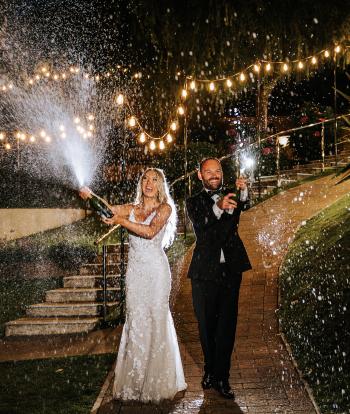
[204, 160]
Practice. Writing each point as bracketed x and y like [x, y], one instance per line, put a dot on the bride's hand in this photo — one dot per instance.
[112, 221]
[85, 193]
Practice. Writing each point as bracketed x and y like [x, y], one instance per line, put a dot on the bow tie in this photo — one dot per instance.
[214, 192]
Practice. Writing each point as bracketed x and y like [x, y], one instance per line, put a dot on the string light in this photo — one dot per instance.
[181, 110]
[212, 86]
[229, 83]
[7, 146]
[161, 145]
[184, 93]
[242, 77]
[257, 68]
[268, 67]
[285, 67]
[169, 138]
[132, 121]
[2, 136]
[48, 139]
[173, 126]
[77, 120]
[314, 60]
[326, 53]
[300, 65]
[32, 138]
[337, 49]
[120, 99]
[152, 145]
[193, 85]
[142, 137]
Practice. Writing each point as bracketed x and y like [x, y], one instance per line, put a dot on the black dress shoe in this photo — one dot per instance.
[223, 387]
[207, 381]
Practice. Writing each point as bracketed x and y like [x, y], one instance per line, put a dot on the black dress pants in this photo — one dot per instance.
[215, 305]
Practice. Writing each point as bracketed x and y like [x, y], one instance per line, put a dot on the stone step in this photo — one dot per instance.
[52, 309]
[115, 248]
[96, 269]
[81, 294]
[111, 258]
[90, 281]
[50, 326]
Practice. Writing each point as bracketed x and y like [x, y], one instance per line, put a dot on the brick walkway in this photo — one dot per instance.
[262, 375]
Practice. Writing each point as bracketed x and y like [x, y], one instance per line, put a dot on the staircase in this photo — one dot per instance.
[78, 306]
[301, 171]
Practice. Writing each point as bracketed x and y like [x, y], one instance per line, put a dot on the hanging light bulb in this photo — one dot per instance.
[42, 133]
[63, 135]
[48, 139]
[161, 145]
[256, 68]
[132, 121]
[173, 126]
[120, 99]
[337, 49]
[212, 86]
[242, 77]
[181, 110]
[7, 146]
[142, 137]
[18, 135]
[326, 53]
[285, 67]
[184, 93]
[90, 117]
[76, 120]
[268, 67]
[314, 60]
[152, 145]
[169, 138]
[55, 76]
[229, 83]
[30, 81]
[22, 137]
[2, 136]
[300, 65]
[64, 76]
[32, 138]
[193, 85]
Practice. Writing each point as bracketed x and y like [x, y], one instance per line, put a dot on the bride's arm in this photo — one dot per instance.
[123, 210]
[147, 231]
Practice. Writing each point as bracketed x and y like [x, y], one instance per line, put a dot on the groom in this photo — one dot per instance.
[218, 261]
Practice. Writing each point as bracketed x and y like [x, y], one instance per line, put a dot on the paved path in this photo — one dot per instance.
[262, 375]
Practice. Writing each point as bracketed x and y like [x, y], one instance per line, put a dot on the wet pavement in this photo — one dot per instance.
[263, 375]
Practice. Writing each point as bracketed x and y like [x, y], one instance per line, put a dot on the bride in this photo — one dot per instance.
[148, 365]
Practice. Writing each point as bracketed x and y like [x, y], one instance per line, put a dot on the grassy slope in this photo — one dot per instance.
[52, 386]
[315, 304]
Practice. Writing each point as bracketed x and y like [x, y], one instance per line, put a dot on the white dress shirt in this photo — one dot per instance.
[218, 211]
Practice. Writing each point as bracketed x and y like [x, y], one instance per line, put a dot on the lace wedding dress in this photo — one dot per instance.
[148, 365]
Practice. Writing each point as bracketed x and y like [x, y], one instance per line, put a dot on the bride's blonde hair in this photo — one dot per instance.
[163, 196]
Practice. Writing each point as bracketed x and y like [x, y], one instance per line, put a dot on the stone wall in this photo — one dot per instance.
[21, 222]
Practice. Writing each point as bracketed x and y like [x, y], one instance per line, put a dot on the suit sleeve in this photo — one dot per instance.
[201, 216]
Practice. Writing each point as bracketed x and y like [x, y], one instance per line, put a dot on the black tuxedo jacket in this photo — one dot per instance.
[214, 235]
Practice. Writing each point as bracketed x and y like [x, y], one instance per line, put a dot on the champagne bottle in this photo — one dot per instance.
[100, 206]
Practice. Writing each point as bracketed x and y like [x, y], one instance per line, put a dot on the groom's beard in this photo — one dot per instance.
[212, 184]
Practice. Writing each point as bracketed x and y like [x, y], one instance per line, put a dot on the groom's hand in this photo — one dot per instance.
[227, 202]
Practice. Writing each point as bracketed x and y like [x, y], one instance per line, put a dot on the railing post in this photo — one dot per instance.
[104, 275]
[122, 275]
[278, 161]
[322, 147]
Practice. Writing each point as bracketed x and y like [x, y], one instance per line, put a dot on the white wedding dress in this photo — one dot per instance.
[148, 365]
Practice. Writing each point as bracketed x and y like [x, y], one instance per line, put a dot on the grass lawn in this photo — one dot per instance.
[52, 386]
[315, 304]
